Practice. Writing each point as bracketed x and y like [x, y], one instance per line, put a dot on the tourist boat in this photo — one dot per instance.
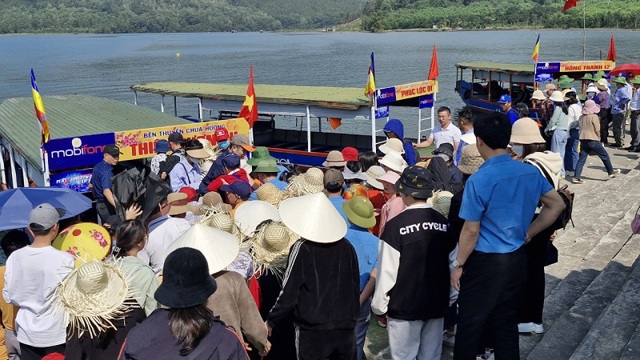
[481, 84]
[298, 123]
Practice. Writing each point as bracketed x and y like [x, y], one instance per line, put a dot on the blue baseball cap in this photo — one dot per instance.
[504, 99]
[240, 188]
[231, 161]
[162, 146]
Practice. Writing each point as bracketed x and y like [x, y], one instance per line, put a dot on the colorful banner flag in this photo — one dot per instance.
[569, 4]
[611, 55]
[433, 69]
[370, 87]
[249, 110]
[536, 50]
[41, 114]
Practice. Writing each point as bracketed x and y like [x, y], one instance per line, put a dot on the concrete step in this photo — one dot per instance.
[632, 350]
[610, 334]
[570, 312]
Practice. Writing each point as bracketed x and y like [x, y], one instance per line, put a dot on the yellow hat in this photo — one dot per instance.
[85, 241]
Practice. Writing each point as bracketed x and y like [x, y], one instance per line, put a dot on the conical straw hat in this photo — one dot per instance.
[314, 218]
[219, 247]
[252, 213]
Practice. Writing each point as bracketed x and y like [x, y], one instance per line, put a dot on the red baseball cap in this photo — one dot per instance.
[221, 134]
[350, 154]
[192, 195]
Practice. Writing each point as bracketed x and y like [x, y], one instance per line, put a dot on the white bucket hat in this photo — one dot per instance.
[441, 202]
[219, 247]
[592, 89]
[373, 173]
[556, 96]
[314, 218]
[538, 95]
[392, 145]
[93, 295]
[469, 138]
[394, 161]
[252, 213]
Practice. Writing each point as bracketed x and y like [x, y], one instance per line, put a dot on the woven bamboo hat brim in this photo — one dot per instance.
[441, 202]
[271, 244]
[253, 213]
[270, 193]
[311, 182]
[211, 202]
[313, 217]
[219, 247]
[222, 221]
[470, 160]
[93, 295]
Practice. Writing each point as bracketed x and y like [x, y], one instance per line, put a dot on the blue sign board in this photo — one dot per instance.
[382, 112]
[77, 180]
[77, 152]
[547, 68]
[426, 102]
[385, 96]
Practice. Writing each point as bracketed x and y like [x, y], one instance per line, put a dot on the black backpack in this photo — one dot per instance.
[567, 196]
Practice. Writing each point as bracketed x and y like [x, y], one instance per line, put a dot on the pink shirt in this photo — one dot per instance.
[391, 209]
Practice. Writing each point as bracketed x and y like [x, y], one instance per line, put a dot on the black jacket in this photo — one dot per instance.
[321, 287]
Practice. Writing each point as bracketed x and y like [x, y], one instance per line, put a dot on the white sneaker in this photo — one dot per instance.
[530, 328]
[614, 173]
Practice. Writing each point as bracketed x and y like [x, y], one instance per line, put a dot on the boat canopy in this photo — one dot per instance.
[516, 69]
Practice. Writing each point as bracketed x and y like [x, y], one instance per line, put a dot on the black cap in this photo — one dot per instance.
[444, 148]
[112, 150]
[176, 137]
[416, 182]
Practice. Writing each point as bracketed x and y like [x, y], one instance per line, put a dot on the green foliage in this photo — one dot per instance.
[120, 16]
[379, 15]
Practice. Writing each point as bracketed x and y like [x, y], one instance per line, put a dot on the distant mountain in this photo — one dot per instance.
[381, 15]
[119, 16]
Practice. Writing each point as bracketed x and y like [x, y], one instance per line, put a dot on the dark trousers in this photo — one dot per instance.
[530, 309]
[618, 128]
[604, 125]
[587, 147]
[490, 292]
[326, 344]
[37, 353]
[104, 209]
[571, 150]
[634, 127]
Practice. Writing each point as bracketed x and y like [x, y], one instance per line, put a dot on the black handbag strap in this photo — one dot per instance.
[543, 168]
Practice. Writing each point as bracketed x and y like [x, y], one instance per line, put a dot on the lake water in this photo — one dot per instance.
[107, 65]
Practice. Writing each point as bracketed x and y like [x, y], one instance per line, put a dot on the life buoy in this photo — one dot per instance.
[466, 95]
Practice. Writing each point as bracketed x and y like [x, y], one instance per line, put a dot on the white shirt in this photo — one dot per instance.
[449, 135]
[184, 174]
[155, 162]
[635, 100]
[31, 278]
[163, 231]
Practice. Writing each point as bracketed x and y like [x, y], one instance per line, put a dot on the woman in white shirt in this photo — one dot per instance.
[571, 149]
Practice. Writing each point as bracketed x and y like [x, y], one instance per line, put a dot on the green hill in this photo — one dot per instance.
[119, 16]
[381, 15]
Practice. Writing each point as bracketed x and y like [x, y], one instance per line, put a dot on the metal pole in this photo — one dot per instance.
[14, 180]
[308, 129]
[135, 98]
[3, 176]
[46, 174]
[200, 109]
[419, 124]
[584, 30]
[25, 177]
[161, 103]
[175, 107]
[373, 123]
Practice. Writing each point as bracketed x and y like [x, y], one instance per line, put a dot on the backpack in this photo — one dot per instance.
[567, 196]
[416, 153]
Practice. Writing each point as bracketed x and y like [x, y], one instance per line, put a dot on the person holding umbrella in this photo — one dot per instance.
[101, 182]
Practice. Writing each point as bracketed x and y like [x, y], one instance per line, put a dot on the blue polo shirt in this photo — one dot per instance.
[503, 195]
[513, 115]
[101, 179]
[366, 246]
[337, 202]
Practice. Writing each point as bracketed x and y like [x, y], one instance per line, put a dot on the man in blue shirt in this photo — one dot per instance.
[498, 205]
[361, 217]
[505, 105]
[101, 182]
[619, 110]
[333, 186]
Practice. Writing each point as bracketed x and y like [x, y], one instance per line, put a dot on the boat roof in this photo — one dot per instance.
[521, 69]
[327, 97]
[73, 115]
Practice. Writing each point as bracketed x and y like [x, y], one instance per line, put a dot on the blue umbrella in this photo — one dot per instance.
[16, 204]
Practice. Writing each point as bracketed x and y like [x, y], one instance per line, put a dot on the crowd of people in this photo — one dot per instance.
[239, 257]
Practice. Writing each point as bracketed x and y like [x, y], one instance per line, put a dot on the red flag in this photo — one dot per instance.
[569, 4]
[249, 110]
[611, 55]
[433, 69]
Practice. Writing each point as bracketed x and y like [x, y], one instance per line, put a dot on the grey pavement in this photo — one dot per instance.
[593, 293]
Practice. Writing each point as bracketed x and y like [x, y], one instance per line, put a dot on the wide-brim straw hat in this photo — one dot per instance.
[178, 202]
[313, 217]
[271, 245]
[253, 213]
[392, 145]
[566, 92]
[526, 131]
[470, 160]
[602, 85]
[372, 174]
[85, 241]
[556, 96]
[441, 202]
[310, 182]
[222, 221]
[390, 177]
[270, 193]
[198, 153]
[219, 247]
[211, 202]
[394, 161]
[206, 144]
[538, 95]
[334, 159]
[469, 138]
[92, 296]
[590, 107]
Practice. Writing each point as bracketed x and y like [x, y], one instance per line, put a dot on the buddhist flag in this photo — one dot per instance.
[536, 50]
[40, 111]
[433, 69]
[569, 4]
[249, 110]
[370, 87]
[611, 55]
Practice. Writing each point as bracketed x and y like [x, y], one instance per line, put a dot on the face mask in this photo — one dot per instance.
[518, 150]
[224, 145]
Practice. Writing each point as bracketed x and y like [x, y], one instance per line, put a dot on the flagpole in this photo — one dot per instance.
[584, 29]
